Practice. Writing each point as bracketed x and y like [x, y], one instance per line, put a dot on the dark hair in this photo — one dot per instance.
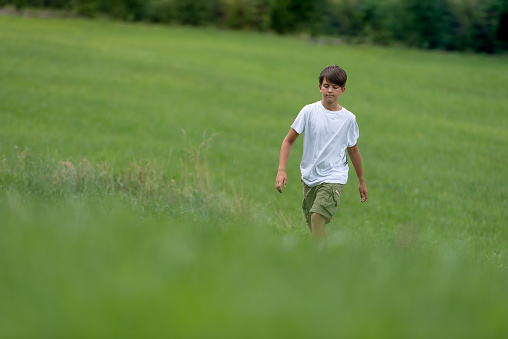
[333, 74]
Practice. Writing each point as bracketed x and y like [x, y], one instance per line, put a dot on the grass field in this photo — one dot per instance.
[167, 223]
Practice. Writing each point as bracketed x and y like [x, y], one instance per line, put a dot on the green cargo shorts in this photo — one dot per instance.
[323, 200]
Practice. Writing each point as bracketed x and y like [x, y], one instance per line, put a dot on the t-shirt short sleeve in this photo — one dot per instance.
[353, 133]
[299, 124]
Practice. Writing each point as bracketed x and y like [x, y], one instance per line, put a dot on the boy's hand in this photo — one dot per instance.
[363, 191]
[281, 180]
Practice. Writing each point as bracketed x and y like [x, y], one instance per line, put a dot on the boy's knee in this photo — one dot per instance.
[318, 223]
[317, 218]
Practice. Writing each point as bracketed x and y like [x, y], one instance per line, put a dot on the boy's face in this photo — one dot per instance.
[330, 91]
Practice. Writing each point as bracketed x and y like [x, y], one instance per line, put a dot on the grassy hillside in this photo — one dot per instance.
[169, 222]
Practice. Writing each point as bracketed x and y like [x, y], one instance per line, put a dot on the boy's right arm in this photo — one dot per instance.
[285, 149]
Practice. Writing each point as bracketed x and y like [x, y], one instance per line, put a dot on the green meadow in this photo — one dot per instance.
[137, 194]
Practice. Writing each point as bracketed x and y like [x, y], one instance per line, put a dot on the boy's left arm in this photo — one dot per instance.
[354, 155]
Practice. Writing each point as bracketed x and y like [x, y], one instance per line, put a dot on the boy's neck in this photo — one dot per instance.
[331, 107]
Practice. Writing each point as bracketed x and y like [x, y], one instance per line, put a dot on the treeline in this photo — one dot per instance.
[474, 25]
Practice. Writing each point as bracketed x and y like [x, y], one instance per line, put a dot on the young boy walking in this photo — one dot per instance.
[329, 130]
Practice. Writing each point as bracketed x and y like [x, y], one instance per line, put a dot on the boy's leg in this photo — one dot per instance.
[318, 223]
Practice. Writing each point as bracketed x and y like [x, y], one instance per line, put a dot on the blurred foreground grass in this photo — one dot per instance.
[137, 198]
[80, 269]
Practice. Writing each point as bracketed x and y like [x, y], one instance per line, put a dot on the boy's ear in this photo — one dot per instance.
[343, 90]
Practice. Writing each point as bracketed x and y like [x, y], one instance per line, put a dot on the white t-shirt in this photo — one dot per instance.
[327, 135]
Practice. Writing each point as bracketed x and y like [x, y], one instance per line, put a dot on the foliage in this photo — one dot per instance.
[241, 14]
[477, 25]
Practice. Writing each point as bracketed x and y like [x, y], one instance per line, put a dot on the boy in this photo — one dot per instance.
[329, 130]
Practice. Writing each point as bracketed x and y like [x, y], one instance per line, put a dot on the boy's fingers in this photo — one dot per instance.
[363, 196]
[279, 183]
[278, 186]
